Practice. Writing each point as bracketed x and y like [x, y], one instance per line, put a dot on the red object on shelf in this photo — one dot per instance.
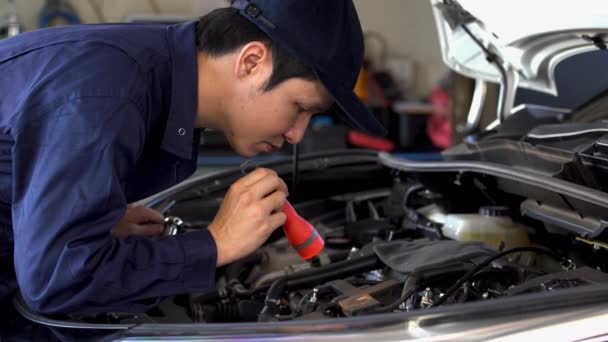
[368, 141]
[301, 234]
[439, 126]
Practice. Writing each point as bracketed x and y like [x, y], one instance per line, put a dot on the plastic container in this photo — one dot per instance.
[492, 225]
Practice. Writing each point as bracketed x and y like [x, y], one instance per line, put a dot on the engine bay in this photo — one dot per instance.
[378, 260]
[394, 242]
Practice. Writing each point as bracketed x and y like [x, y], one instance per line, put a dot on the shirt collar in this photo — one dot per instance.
[179, 134]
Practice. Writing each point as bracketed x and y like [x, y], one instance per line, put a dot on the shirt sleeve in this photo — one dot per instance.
[69, 172]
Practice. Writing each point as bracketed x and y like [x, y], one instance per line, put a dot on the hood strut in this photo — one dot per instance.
[508, 80]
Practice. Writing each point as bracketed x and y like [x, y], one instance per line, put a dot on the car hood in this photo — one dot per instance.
[529, 37]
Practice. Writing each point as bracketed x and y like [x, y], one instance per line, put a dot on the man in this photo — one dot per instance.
[95, 117]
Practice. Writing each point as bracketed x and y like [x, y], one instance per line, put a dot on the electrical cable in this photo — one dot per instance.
[304, 299]
[272, 301]
[410, 213]
[311, 277]
[392, 306]
[565, 262]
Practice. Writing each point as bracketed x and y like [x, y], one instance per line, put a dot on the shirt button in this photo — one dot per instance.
[181, 131]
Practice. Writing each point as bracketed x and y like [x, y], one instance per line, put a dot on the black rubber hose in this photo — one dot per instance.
[392, 306]
[234, 270]
[340, 269]
[489, 260]
[238, 288]
[271, 303]
[339, 256]
[410, 284]
[311, 275]
[334, 266]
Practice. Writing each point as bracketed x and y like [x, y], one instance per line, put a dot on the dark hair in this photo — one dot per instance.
[224, 30]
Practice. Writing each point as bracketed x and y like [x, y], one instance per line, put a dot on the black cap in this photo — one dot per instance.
[326, 36]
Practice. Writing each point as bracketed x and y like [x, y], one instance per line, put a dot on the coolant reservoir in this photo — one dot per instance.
[492, 225]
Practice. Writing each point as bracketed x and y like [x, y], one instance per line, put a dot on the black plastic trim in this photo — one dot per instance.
[562, 218]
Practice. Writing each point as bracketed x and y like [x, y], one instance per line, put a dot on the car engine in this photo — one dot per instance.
[393, 243]
[384, 255]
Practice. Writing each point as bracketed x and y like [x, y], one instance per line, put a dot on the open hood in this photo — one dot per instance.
[527, 38]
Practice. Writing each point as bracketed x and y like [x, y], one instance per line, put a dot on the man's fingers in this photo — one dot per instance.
[276, 220]
[141, 215]
[268, 185]
[274, 202]
[254, 176]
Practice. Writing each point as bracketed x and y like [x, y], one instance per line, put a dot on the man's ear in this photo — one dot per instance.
[253, 59]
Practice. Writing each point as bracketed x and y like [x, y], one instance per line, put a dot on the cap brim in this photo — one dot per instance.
[350, 108]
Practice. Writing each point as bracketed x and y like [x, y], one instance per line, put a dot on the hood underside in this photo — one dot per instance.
[529, 38]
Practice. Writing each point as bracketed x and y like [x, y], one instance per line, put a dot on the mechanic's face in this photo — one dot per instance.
[264, 121]
[256, 120]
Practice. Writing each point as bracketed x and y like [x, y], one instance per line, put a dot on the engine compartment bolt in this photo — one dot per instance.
[353, 252]
[427, 298]
[313, 298]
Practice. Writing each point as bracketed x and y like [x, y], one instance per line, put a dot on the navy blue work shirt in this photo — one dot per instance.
[91, 118]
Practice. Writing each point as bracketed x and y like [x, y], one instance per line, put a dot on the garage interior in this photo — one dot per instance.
[459, 203]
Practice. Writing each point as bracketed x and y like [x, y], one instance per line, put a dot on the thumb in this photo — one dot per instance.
[141, 214]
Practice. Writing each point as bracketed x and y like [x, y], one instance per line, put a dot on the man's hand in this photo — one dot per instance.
[250, 212]
[139, 220]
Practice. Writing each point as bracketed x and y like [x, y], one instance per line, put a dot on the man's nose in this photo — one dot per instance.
[296, 133]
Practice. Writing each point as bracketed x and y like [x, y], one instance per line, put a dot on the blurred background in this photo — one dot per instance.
[404, 81]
